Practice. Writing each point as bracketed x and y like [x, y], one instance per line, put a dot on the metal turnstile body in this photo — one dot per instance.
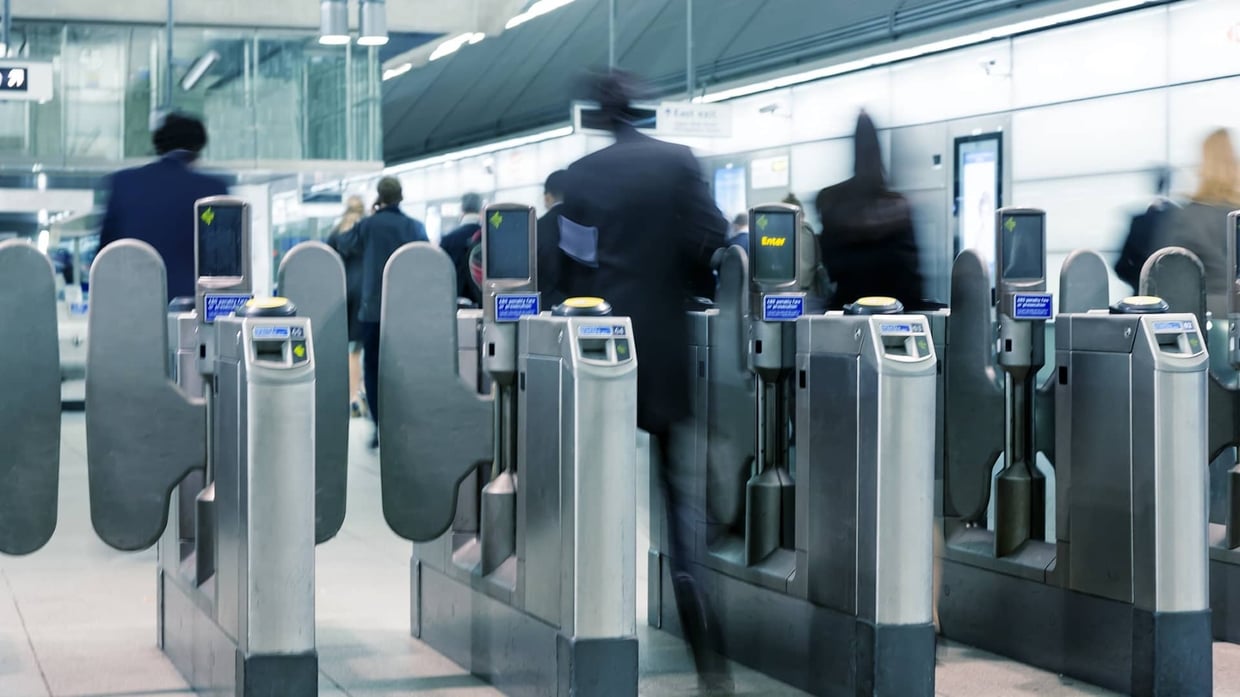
[1178, 275]
[1131, 426]
[1081, 603]
[521, 506]
[830, 613]
[213, 422]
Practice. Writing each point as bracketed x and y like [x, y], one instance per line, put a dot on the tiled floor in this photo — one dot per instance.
[77, 619]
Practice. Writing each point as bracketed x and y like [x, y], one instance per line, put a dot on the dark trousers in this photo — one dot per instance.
[683, 508]
[370, 367]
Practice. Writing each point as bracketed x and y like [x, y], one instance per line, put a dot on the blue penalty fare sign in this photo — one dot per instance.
[511, 307]
[221, 305]
[782, 308]
[1032, 306]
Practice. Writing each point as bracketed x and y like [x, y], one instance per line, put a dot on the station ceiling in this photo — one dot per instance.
[524, 78]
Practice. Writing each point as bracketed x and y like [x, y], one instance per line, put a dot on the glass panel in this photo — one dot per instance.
[1109, 134]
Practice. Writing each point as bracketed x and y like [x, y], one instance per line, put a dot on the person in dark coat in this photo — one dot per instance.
[353, 214]
[657, 229]
[867, 240]
[155, 203]
[460, 241]
[378, 237]
[556, 269]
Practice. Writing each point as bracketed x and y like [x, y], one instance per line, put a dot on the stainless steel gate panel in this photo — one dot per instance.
[312, 276]
[434, 430]
[1177, 276]
[29, 398]
[974, 397]
[1083, 283]
[143, 433]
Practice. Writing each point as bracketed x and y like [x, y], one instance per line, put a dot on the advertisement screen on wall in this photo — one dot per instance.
[978, 193]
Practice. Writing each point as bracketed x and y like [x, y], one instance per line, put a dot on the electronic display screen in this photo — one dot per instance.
[1024, 249]
[508, 244]
[979, 179]
[220, 240]
[772, 246]
[1235, 234]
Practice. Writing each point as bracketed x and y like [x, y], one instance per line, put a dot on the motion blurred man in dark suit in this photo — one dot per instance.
[155, 203]
[657, 229]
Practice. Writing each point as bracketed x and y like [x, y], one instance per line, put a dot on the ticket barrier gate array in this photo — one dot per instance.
[521, 503]
[814, 577]
[1117, 596]
[29, 398]
[232, 397]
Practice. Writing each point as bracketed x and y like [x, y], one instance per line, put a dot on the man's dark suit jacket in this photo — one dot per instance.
[658, 227]
[155, 203]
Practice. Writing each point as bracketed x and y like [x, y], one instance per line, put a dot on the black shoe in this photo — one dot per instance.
[374, 441]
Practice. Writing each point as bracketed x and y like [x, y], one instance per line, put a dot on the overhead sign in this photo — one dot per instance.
[25, 81]
[688, 119]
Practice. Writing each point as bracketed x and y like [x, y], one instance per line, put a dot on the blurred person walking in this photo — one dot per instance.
[1201, 225]
[354, 212]
[460, 242]
[1143, 232]
[155, 203]
[377, 238]
[650, 210]
[867, 240]
[557, 269]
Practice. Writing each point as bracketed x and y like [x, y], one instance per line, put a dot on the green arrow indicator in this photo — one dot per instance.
[1009, 224]
[496, 219]
[208, 216]
[762, 222]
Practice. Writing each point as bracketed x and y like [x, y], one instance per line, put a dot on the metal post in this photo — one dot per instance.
[611, 33]
[690, 69]
[168, 79]
[6, 28]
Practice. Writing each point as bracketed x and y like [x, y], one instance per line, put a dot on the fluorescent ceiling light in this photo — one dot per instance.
[372, 23]
[924, 49]
[454, 44]
[481, 150]
[199, 69]
[538, 9]
[397, 71]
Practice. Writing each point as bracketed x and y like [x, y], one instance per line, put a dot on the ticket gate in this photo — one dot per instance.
[29, 398]
[1105, 600]
[799, 545]
[236, 566]
[1181, 275]
[520, 504]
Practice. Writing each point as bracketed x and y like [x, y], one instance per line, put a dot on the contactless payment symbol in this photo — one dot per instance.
[208, 216]
[1009, 224]
[762, 222]
[496, 219]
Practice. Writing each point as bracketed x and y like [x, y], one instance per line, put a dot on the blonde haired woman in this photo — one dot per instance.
[351, 254]
[1201, 226]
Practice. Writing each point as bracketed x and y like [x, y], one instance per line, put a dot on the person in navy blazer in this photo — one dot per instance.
[155, 203]
[657, 231]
